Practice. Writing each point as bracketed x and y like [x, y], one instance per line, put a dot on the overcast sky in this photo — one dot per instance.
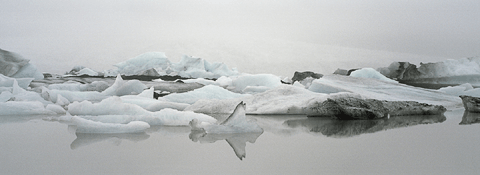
[78, 32]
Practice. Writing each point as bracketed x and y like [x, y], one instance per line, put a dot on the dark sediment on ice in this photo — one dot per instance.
[358, 109]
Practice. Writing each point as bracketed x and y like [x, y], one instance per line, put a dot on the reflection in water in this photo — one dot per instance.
[470, 118]
[84, 139]
[349, 128]
[238, 141]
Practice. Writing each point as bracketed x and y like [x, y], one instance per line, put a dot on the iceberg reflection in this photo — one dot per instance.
[470, 118]
[238, 141]
[84, 139]
[349, 128]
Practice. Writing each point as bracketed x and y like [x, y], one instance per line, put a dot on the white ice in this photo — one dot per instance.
[122, 87]
[87, 71]
[381, 90]
[188, 66]
[24, 108]
[206, 92]
[370, 73]
[463, 89]
[146, 101]
[89, 126]
[114, 110]
[236, 123]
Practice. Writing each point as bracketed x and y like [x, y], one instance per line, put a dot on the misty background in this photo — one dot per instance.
[271, 36]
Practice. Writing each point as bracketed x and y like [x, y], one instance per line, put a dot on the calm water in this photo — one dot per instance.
[289, 145]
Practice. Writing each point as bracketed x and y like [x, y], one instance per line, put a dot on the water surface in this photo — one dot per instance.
[290, 145]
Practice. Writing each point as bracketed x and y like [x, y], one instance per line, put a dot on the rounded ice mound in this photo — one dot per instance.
[371, 73]
[254, 83]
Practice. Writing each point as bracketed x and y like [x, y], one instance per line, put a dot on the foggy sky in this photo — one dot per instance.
[80, 32]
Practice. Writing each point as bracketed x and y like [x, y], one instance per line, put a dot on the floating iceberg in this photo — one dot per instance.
[189, 67]
[14, 65]
[381, 90]
[114, 110]
[89, 126]
[24, 108]
[446, 72]
[370, 73]
[236, 123]
[463, 89]
[206, 92]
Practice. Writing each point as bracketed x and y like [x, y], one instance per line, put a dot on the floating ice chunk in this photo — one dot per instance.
[20, 94]
[121, 87]
[381, 90]
[169, 117]
[28, 71]
[371, 73]
[139, 64]
[206, 92]
[94, 86]
[87, 71]
[5, 96]
[109, 106]
[463, 89]
[8, 82]
[55, 108]
[24, 108]
[285, 99]
[73, 96]
[146, 101]
[108, 111]
[266, 81]
[88, 126]
[235, 123]
[200, 68]
[11, 62]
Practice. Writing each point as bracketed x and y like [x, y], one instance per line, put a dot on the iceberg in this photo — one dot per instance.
[157, 63]
[381, 90]
[370, 73]
[11, 63]
[87, 71]
[88, 126]
[24, 108]
[121, 87]
[235, 123]
[206, 92]
[114, 110]
[465, 70]
[146, 101]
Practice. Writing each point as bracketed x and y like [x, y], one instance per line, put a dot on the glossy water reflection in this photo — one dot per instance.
[349, 128]
[289, 145]
[238, 141]
[470, 118]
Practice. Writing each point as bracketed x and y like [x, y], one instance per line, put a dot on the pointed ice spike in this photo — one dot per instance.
[237, 116]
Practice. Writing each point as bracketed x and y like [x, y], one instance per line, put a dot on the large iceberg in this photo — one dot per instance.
[465, 70]
[13, 65]
[189, 67]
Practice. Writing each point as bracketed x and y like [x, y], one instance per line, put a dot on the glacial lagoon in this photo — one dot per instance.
[446, 144]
